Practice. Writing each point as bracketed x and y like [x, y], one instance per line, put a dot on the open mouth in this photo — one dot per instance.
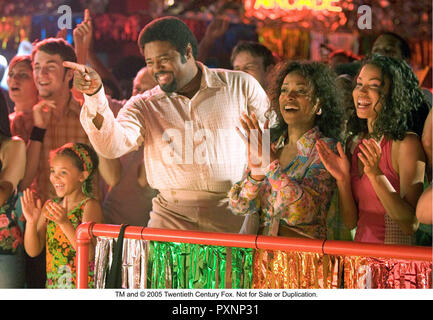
[291, 108]
[163, 77]
[363, 103]
[43, 84]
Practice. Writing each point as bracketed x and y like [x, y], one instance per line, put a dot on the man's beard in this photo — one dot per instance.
[167, 87]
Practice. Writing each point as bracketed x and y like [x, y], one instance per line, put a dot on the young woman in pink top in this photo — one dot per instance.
[380, 182]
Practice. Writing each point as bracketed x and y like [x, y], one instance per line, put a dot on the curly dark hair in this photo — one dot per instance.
[321, 80]
[404, 96]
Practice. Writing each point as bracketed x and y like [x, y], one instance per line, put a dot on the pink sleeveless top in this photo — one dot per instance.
[371, 213]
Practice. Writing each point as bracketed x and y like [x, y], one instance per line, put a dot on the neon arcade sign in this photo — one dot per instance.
[252, 6]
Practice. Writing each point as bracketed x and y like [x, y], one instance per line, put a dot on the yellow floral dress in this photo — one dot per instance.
[61, 271]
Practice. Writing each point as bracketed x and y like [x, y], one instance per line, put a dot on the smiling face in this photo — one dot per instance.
[165, 64]
[65, 176]
[296, 105]
[20, 83]
[50, 76]
[367, 95]
[246, 62]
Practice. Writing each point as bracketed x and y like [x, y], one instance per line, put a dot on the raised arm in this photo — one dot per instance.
[83, 42]
[244, 195]
[216, 29]
[87, 81]
[82, 38]
[110, 137]
[41, 114]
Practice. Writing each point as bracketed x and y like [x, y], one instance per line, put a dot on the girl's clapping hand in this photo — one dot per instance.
[56, 212]
[31, 208]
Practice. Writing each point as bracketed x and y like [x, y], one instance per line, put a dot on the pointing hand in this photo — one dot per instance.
[86, 80]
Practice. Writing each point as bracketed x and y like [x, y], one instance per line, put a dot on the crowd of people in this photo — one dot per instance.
[271, 147]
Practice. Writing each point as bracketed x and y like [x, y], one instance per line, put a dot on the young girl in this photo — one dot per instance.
[72, 168]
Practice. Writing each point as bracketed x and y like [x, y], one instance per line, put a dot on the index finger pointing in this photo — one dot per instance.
[74, 66]
[86, 15]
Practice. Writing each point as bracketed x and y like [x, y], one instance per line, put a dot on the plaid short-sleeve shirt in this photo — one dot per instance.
[59, 132]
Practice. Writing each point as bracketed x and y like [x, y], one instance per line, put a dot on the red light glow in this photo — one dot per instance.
[315, 5]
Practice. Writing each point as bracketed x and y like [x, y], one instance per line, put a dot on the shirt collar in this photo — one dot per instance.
[304, 144]
[209, 78]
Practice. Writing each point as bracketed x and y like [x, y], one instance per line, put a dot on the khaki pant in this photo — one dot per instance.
[193, 210]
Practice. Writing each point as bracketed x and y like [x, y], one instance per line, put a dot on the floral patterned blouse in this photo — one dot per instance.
[297, 196]
[11, 235]
[60, 254]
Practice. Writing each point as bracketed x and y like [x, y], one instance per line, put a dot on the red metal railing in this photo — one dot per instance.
[87, 230]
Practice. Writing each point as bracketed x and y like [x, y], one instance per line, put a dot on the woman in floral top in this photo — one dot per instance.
[292, 192]
[12, 166]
